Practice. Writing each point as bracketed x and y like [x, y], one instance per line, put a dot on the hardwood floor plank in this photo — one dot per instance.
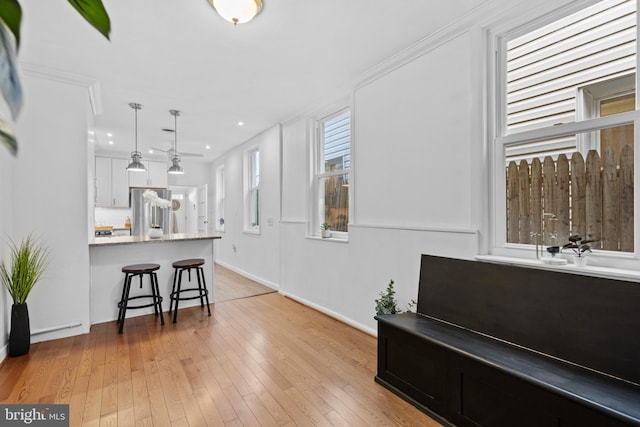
[260, 412]
[208, 408]
[230, 285]
[259, 361]
[159, 412]
[223, 406]
[142, 409]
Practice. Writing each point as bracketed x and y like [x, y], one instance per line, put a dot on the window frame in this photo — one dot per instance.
[499, 139]
[251, 189]
[316, 215]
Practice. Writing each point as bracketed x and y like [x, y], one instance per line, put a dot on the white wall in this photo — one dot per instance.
[6, 225]
[412, 140]
[419, 175]
[410, 119]
[255, 255]
[196, 173]
[50, 199]
[412, 188]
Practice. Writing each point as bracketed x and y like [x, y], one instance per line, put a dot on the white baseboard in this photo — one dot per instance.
[260, 280]
[333, 314]
[317, 307]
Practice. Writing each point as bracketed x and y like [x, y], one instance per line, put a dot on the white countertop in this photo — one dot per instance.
[167, 238]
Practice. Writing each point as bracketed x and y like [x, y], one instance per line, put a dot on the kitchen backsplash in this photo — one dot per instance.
[112, 216]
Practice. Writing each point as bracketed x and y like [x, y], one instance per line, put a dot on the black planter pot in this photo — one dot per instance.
[20, 335]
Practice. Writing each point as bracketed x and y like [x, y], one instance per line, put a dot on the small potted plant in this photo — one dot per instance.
[387, 303]
[579, 247]
[155, 232]
[27, 264]
[325, 228]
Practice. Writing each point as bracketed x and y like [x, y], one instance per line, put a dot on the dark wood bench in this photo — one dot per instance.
[500, 345]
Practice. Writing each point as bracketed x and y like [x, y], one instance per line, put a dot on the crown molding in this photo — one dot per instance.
[92, 85]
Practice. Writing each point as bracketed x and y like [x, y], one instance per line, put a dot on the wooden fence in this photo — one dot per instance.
[593, 198]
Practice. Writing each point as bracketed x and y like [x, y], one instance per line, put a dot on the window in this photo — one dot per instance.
[252, 204]
[332, 174]
[220, 199]
[565, 131]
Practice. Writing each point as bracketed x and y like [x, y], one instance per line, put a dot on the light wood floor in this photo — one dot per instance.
[259, 361]
[231, 285]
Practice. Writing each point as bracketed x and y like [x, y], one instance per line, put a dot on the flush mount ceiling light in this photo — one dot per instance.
[237, 11]
[136, 165]
[175, 168]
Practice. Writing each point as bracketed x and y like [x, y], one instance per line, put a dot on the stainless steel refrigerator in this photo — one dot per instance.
[143, 214]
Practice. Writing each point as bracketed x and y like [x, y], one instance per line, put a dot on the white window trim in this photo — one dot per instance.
[247, 227]
[496, 127]
[313, 224]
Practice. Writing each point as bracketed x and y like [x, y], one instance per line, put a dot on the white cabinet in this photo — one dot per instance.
[120, 182]
[155, 176]
[103, 181]
[112, 187]
[158, 175]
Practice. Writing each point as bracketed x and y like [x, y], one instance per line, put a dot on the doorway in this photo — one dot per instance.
[184, 209]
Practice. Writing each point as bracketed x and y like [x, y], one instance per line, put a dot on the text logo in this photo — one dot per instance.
[36, 415]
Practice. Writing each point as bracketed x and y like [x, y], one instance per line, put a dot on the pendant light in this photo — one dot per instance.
[175, 168]
[237, 11]
[136, 165]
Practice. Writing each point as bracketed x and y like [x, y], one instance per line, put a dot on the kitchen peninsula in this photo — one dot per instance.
[109, 254]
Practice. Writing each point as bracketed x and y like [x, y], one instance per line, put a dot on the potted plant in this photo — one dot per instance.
[325, 228]
[387, 303]
[579, 247]
[155, 232]
[28, 262]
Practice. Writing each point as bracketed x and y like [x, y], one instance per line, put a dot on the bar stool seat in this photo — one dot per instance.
[180, 294]
[139, 270]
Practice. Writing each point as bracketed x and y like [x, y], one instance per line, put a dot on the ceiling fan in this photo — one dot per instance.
[172, 151]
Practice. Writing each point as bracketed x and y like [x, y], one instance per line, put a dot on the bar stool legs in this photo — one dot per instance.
[139, 270]
[177, 292]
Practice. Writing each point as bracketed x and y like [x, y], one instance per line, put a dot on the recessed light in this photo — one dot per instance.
[91, 133]
[150, 151]
[207, 147]
[110, 142]
[109, 134]
[240, 123]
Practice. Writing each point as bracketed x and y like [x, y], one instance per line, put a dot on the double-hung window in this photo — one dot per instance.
[566, 130]
[252, 201]
[332, 174]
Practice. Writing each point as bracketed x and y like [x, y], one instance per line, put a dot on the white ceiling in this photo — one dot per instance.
[178, 54]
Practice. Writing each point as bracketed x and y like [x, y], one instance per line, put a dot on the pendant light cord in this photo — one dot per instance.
[136, 126]
[135, 107]
[175, 114]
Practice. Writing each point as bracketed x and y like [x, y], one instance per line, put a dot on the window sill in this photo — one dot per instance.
[254, 232]
[329, 239]
[588, 270]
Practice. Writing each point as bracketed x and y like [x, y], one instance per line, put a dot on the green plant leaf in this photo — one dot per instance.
[8, 138]
[28, 262]
[11, 15]
[94, 13]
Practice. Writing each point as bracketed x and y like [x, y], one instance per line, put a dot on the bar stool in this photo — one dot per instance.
[177, 292]
[140, 270]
